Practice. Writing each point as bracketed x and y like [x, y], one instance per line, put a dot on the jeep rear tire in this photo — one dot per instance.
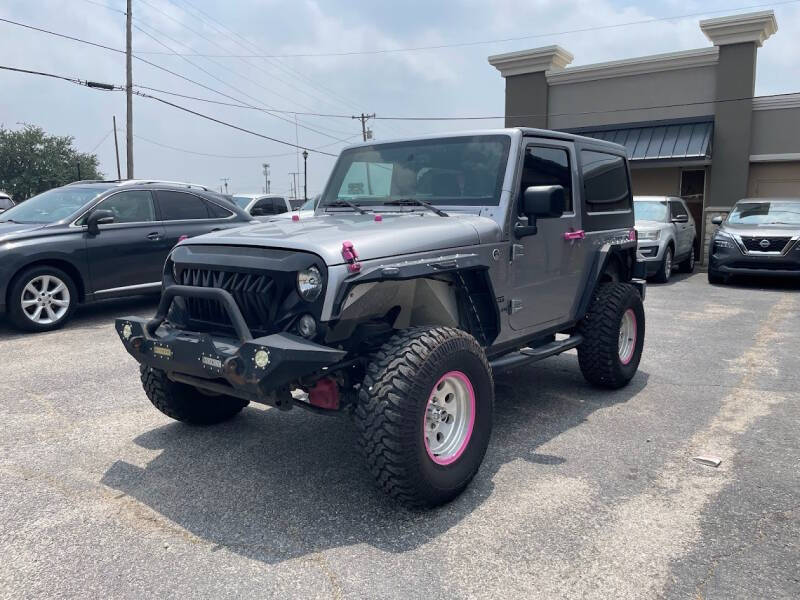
[424, 414]
[185, 403]
[613, 336]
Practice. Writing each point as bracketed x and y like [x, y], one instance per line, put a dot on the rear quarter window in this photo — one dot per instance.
[605, 182]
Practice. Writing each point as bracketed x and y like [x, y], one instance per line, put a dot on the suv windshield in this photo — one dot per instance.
[772, 212]
[459, 171]
[650, 210]
[53, 205]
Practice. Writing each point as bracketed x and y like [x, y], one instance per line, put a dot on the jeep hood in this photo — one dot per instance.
[395, 235]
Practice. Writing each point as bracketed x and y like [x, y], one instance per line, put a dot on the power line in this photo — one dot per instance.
[104, 86]
[583, 113]
[235, 156]
[208, 100]
[505, 40]
[213, 42]
[110, 87]
[231, 86]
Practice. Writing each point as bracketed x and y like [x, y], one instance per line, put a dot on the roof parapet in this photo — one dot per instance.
[537, 60]
[739, 29]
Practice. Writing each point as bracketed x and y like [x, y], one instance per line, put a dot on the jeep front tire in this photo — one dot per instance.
[424, 414]
[184, 403]
[613, 336]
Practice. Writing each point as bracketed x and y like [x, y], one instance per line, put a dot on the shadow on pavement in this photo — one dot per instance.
[274, 486]
[91, 315]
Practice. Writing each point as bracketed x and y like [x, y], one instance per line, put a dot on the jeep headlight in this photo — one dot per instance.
[309, 284]
[649, 235]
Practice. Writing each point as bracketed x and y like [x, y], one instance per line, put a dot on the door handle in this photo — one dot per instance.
[575, 235]
[154, 237]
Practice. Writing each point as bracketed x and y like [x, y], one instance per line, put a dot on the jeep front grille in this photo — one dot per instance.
[255, 294]
[775, 244]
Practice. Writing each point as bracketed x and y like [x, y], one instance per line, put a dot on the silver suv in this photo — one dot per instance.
[667, 235]
[429, 266]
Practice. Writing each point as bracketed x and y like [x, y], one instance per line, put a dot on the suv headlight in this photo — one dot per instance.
[723, 240]
[649, 235]
[309, 284]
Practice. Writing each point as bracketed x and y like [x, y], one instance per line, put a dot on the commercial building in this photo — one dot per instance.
[689, 120]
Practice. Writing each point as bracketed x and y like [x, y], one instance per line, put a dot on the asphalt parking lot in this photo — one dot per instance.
[583, 493]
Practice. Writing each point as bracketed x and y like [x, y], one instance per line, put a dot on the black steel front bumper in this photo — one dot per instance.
[256, 369]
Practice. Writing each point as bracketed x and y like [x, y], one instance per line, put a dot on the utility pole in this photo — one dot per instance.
[129, 87]
[295, 183]
[266, 177]
[225, 180]
[366, 133]
[305, 175]
[116, 148]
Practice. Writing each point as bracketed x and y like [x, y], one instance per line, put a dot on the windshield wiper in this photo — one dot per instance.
[416, 202]
[340, 202]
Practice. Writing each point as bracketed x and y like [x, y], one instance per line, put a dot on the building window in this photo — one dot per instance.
[605, 182]
[547, 166]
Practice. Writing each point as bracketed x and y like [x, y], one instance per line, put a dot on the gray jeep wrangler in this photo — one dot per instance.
[429, 266]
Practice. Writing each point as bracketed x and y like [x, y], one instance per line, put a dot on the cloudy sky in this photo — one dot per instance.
[234, 39]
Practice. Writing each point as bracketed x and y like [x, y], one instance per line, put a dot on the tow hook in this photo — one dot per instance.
[324, 394]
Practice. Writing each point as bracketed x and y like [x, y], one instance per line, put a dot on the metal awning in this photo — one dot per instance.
[661, 142]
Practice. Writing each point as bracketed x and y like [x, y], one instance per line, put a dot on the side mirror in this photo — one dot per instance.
[716, 221]
[541, 202]
[97, 218]
[681, 219]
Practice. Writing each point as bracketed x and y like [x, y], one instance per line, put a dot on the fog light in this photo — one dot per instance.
[261, 359]
[307, 326]
[126, 331]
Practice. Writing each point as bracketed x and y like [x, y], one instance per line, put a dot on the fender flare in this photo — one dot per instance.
[470, 273]
[608, 252]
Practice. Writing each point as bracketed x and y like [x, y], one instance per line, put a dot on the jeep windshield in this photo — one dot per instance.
[457, 171]
[773, 212]
[53, 205]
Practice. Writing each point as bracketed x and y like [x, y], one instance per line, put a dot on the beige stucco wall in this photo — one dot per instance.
[774, 179]
[776, 131]
[648, 89]
[656, 182]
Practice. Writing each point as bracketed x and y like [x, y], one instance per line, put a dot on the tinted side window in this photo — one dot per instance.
[547, 166]
[180, 206]
[280, 205]
[263, 207]
[605, 182]
[217, 212]
[676, 209]
[5, 203]
[134, 206]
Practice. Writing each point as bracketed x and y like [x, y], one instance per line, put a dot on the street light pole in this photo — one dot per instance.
[128, 91]
[305, 175]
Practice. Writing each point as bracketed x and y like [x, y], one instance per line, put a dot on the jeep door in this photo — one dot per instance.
[126, 255]
[547, 266]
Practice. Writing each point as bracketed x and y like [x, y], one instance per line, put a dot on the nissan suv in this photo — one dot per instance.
[761, 236]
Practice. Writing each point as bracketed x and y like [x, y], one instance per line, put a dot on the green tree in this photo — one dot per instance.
[32, 162]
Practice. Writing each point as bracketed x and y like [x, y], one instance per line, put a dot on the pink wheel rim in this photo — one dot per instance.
[627, 336]
[449, 418]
